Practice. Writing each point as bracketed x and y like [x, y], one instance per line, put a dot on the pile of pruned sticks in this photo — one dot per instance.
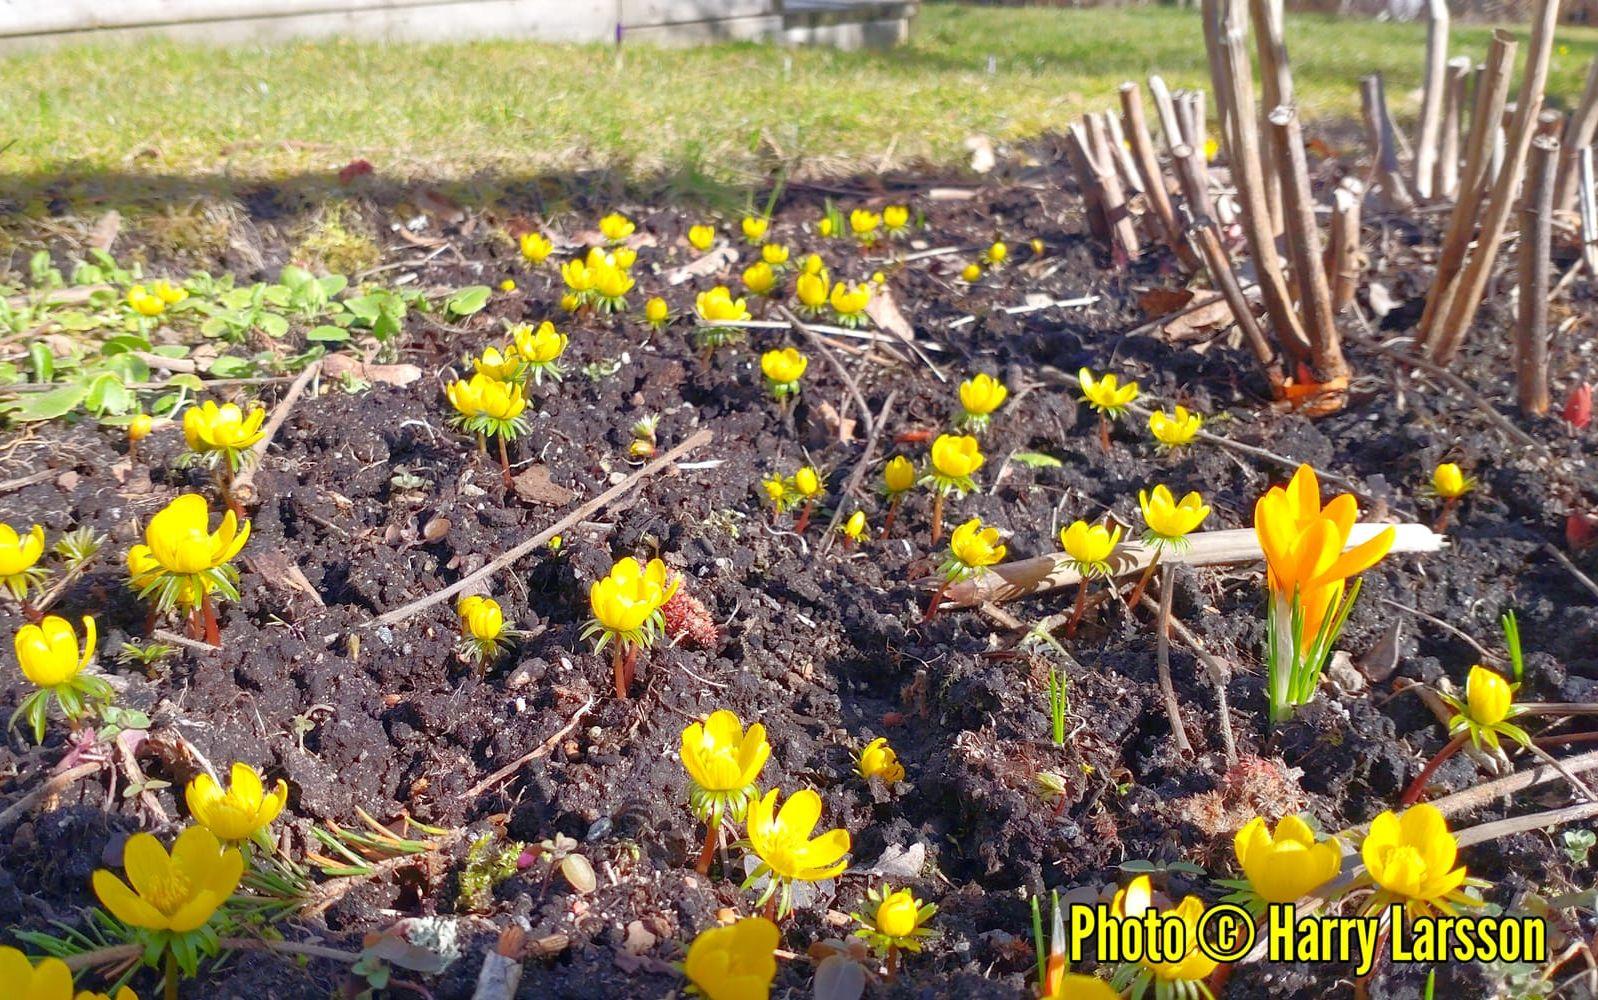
[1486, 164]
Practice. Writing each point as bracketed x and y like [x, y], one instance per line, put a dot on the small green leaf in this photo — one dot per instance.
[230, 366]
[48, 405]
[41, 361]
[328, 334]
[1037, 460]
[468, 300]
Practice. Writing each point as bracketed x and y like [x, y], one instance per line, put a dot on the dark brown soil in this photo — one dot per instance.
[827, 651]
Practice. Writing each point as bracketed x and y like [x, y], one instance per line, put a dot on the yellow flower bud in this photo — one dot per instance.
[1450, 482]
[878, 760]
[898, 475]
[701, 237]
[536, 247]
[49, 653]
[1487, 696]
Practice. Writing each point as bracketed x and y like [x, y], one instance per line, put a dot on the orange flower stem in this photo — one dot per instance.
[712, 838]
[504, 462]
[771, 908]
[133, 451]
[1412, 793]
[482, 444]
[937, 599]
[1447, 512]
[170, 987]
[31, 613]
[224, 486]
[937, 517]
[893, 511]
[1104, 433]
[213, 634]
[622, 658]
[893, 962]
[800, 525]
[1081, 606]
[1143, 581]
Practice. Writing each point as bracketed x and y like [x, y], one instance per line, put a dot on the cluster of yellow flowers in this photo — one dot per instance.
[802, 489]
[598, 281]
[152, 301]
[723, 761]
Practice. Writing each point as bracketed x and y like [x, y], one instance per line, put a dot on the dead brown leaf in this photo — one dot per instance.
[533, 485]
[280, 571]
[702, 267]
[1157, 302]
[339, 365]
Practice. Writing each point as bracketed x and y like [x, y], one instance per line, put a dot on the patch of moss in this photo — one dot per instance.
[336, 243]
[196, 234]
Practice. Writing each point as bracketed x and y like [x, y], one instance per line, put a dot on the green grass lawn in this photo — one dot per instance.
[722, 114]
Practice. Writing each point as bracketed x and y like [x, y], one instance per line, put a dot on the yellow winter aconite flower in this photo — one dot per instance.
[1075, 986]
[495, 364]
[223, 433]
[19, 558]
[481, 617]
[181, 543]
[980, 395]
[51, 658]
[718, 306]
[776, 489]
[895, 919]
[243, 811]
[1194, 966]
[849, 302]
[1090, 546]
[169, 293]
[783, 368]
[854, 528]
[1485, 712]
[1306, 573]
[813, 264]
[895, 218]
[775, 254]
[754, 228]
[971, 273]
[807, 483]
[51, 979]
[736, 962]
[863, 224]
[611, 283]
[177, 892]
[144, 302]
[1169, 520]
[578, 277]
[701, 237]
[616, 227]
[898, 476]
[971, 547]
[781, 840]
[540, 350]
[1106, 394]
[824, 226]
[139, 427]
[507, 285]
[626, 603]
[811, 289]
[49, 653]
[996, 254]
[723, 760]
[1450, 483]
[1410, 859]
[656, 312]
[1173, 430]
[1211, 149]
[488, 406]
[878, 760]
[536, 247]
[954, 459]
[1285, 865]
[759, 278]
